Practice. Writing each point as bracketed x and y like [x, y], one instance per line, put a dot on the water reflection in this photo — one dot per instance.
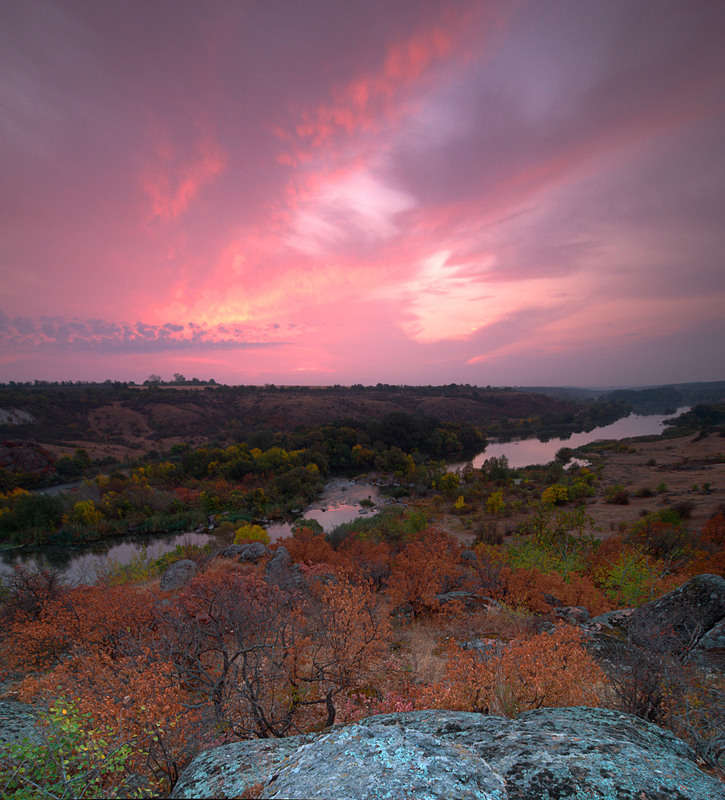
[525, 452]
[338, 503]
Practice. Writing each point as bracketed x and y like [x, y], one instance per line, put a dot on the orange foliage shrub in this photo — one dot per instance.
[709, 554]
[307, 547]
[88, 617]
[367, 561]
[138, 697]
[427, 566]
[550, 669]
[347, 641]
[95, 645]
[528, 587]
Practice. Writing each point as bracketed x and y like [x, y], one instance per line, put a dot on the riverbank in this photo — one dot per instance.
[691, 469]
[685, 473]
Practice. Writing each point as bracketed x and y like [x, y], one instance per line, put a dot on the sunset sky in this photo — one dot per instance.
[396, 191]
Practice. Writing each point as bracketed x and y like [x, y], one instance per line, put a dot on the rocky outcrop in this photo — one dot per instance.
[29, 457]
[548, 754]
[379, 761]
[230, 770]
[677, 622]
[178, 575]
[710, 649]
[253, 551]
[280, 570]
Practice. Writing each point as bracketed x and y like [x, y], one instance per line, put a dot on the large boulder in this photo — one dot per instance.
[548, 754]
[675, 622]
[710, 649]
[378, 762]
[230, 770]
[573, 753]
[252, 551]
[178, 575]
[281, 572]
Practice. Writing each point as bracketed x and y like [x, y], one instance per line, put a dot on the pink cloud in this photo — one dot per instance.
[174, 181]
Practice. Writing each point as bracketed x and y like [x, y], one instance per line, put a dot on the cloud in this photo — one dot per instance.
[113, 338]
[420, 186]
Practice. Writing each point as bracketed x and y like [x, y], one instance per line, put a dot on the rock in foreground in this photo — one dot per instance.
[549, 754]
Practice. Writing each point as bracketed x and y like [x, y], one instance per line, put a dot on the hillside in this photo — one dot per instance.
[121, 421]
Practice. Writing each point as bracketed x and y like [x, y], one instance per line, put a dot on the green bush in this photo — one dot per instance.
[616, 495]
[69, 760]
[553, 540]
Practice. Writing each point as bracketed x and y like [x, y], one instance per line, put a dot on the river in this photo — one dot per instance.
[339, 502]
[527, 452]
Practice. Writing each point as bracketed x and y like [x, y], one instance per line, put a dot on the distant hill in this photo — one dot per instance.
[119, 420]
[121, 417]
[645, 399]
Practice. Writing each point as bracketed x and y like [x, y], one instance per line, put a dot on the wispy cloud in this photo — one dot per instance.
[138, 337]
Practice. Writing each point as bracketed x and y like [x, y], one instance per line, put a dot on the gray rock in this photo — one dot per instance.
[18, 721]
[676, 621]
[710, 649]
[378, 762]
[574, 614]
[612, 619]
[252, 551]
[229, 770]
[178, 575]
[486, 647]
[548, 754]
[470, 600]
[279, 569]
[572, 753]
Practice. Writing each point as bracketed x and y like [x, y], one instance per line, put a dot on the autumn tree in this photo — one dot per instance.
[347, 640]
[427, 566]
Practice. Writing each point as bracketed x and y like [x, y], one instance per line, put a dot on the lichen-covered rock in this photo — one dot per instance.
[572, 753]
[17, 721]
[548, 754]
[674, 622]
[229, 770]
[178, 575]
[384, 763]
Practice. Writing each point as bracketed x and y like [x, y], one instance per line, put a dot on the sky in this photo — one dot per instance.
[400, 191]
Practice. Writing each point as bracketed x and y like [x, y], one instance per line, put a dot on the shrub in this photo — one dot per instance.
[426, 567]
[616, 495]
[630, 580]
[72, 759]
[251, 533]
[550, 669]
[555, 495]
[495, 502]
[139, 569]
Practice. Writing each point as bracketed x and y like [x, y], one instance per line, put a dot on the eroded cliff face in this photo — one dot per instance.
[548, 754]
